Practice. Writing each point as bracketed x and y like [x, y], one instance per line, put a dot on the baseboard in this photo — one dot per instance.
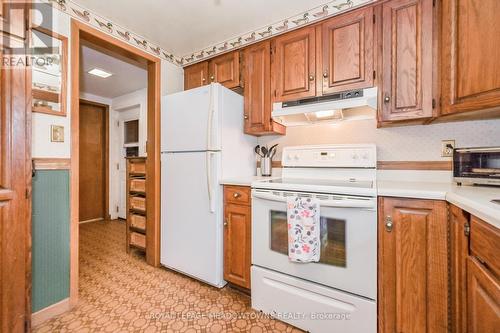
[49, 312]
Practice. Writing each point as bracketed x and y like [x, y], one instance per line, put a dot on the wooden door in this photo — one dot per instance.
[459, 252]
[92, 162]
[237, 244]
[293, 67]
[225, 69]
[257, 91]
[348, 51]
[15, 192]
[483, 291]
[407, 65]
[196, 75]
[470, 53]
[413, 266]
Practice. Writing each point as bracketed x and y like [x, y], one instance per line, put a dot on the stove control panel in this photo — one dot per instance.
[331, 156]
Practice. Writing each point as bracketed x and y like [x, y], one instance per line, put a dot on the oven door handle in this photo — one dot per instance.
[345, 203]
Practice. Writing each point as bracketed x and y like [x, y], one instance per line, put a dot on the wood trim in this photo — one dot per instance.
[52, 163]
[80, 31]
[415, 165]
[274, 164]
[49, 312]
[63, 95]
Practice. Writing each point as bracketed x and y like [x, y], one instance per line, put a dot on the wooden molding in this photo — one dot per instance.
[49, 312]
[400, 165]
[52, 163]
[415, 165]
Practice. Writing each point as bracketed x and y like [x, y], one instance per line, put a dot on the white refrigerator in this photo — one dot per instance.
[202, 142]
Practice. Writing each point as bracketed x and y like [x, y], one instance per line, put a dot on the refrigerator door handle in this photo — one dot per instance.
[209, 181]
[210, 117]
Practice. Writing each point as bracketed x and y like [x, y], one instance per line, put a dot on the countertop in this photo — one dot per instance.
[244, 181]
[474, 199]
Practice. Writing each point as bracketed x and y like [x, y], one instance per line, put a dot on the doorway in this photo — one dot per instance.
[94, 157]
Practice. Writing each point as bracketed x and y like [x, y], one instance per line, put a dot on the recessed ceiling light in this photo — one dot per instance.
[99, 72]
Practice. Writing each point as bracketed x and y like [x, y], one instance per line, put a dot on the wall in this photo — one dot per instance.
[406, 143]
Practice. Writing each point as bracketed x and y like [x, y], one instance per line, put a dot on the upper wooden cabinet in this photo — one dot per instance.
[257, 90]
[225, 69]
[470, 55]
[293, 67]
[406, 91]
[196, 75]
[348, 51]
[413, 266]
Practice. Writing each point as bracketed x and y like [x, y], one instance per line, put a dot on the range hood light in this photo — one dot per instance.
[325, 114]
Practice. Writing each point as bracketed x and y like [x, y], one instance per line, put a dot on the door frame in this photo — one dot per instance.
[105, 108]
[83, 32]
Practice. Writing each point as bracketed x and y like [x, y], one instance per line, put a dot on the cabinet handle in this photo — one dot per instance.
[325, 75]
[226, 222]
[203, 79]
[387, 99]
[311, 77]
[212, 78]
[388, 224]
[245, 116]
[236, 195]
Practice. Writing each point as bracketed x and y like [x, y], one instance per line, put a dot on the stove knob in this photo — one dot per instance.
[289, 157]
[355, 156]
[365, 156]
[296, 157]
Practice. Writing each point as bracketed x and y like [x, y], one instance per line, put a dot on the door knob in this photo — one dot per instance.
[388, 224]
[311, 77]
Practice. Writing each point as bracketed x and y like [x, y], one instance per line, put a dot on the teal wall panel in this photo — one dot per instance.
[50, 238]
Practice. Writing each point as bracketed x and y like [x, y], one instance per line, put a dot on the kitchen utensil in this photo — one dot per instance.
[273, 148]
[257, 150]
[264, 151]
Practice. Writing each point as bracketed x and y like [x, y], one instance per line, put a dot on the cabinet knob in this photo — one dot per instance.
[212, 78]
[203, 79]
[388, 224]
[225, 222]
[387, 99]
[245, 116]
[325, 74]
[236, 195]
[311, 77]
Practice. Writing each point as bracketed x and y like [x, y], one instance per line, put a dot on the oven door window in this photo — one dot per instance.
[333, 247]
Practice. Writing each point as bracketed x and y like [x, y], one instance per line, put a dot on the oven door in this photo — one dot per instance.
[348, 259]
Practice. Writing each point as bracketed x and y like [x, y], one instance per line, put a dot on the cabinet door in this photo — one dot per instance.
[237, 248]
[348, 51]
[483, 291]
[407, 65]
[470, 53]
[459, 250]
[257, 91]
[225, 70]
[293, 72]
[196, 75]
[413, 266]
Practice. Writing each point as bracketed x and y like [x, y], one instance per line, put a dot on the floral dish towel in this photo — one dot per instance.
[303, 217]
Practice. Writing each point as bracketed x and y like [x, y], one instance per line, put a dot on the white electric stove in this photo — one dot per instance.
[337, 294]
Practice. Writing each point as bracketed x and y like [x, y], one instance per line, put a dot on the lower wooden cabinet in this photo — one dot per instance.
[413, 266]
[237, 238]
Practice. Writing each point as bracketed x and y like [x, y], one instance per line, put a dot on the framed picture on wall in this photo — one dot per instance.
[56, 133]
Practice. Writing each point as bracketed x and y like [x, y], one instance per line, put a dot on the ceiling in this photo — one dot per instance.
[186, 26]
[127, 77]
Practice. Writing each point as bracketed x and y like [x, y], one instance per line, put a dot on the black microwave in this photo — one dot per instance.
[477, 165]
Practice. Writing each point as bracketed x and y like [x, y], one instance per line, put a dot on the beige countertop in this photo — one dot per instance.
[474, 199]
[244, 181]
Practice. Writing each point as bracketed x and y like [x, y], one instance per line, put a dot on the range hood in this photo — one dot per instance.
[348, 105]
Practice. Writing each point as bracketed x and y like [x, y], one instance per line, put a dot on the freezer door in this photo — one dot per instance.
[189, 120]
[191, 220]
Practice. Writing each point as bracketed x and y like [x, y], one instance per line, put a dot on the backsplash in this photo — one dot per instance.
[406, 143]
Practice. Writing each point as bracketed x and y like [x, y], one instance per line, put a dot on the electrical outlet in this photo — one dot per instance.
[447, 148]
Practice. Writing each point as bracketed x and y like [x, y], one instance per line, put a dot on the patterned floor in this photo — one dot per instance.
[121, 293]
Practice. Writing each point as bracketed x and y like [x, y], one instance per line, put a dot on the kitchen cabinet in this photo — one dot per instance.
[406, 90]
[348, 51]
[413, 265]
[470, 42]
[225, 69]
[293, 65]
[257, 91]
[196, 75]
[237, 235]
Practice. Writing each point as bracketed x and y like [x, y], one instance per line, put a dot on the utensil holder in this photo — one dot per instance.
[266, 166]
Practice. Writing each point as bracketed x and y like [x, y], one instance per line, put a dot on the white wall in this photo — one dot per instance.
[406, 143]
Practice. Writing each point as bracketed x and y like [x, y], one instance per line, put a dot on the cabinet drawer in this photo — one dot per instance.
[485, 244]
[138, 221]
[137, 168]
[138, 185]
[237, 195]
[138, 239]
[138, 203]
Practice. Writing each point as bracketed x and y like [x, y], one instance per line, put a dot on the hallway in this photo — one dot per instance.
[121, 293]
